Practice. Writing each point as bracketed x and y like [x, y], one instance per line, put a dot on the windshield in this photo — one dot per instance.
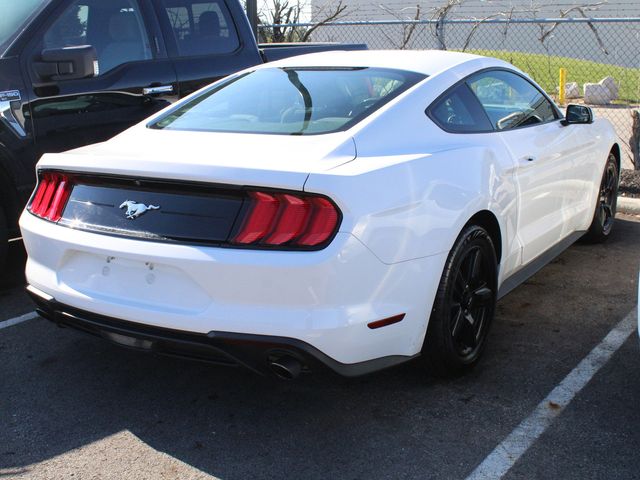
[15, 14]
[291, 101]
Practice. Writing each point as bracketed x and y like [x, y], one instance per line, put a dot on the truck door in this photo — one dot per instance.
[207, 40]
[131, 78]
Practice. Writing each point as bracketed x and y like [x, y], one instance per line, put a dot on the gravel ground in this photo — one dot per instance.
[630, 183]
[620, 117]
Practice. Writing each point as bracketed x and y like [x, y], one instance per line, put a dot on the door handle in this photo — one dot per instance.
[158, 90]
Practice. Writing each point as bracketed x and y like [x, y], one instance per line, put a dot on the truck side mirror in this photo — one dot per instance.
[577, 114]
[68, 63]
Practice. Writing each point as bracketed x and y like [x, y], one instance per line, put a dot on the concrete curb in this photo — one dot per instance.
[628, 205]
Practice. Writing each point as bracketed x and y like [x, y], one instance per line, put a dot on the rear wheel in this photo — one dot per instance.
[605, 213]
[464, 305]
[4, 238]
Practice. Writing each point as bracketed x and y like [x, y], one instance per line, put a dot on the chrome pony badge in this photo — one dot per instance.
[134, 210]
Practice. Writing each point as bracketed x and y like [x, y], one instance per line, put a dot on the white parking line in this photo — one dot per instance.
[505, 455]
[15, 321]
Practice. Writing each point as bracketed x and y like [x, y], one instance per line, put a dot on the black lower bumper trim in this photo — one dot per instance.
[233, 349]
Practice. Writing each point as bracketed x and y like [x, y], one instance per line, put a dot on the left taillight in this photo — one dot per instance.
[51, 196]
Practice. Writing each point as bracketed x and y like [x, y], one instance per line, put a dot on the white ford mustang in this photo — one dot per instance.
[348, 209]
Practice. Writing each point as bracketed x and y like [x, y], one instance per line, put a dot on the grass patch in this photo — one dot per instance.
[544, 69]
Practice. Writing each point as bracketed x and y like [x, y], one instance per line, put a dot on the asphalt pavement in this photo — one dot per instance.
[73, 406]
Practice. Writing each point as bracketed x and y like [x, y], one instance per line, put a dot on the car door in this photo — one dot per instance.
[544, 151]
[132, 76]
[204, 41]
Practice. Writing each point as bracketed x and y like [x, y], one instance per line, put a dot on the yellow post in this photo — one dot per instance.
[563, 83]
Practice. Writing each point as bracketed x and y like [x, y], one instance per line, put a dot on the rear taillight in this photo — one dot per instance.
[51, 196]
[288, 220]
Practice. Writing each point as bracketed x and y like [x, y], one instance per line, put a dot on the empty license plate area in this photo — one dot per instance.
[133, 283]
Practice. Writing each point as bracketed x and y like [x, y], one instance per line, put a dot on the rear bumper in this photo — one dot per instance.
[325, 299]
[254, 352]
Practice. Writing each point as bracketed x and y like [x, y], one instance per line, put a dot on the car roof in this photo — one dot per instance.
[427, 62]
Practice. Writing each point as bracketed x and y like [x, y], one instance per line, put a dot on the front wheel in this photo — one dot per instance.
[464, 305]
[605, 213]
[4, 238]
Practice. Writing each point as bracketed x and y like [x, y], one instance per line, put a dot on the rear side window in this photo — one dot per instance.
[459, 111]
[114, 28]
[291, 101]
[510, 100]
[201, 27]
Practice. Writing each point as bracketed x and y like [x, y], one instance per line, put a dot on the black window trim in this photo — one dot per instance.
[428, 110]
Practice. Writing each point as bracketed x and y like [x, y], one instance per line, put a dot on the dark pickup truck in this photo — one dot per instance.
[74, 72]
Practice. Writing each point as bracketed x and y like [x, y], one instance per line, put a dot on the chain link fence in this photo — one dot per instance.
[600, 56]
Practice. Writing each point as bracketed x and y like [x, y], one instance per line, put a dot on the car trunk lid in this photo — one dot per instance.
[188, 188]
[278, 161]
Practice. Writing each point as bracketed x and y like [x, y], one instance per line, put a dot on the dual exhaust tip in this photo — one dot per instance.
[286, 367]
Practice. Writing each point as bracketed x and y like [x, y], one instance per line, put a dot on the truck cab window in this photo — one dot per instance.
[201, 27]
[115, 29]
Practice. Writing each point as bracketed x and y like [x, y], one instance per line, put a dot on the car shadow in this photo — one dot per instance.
[13, 271]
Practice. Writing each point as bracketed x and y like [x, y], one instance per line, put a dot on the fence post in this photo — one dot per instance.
[563, 84]
[440, 34]
[634, 141]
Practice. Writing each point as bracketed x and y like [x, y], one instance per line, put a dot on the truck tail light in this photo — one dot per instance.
[287, 220]
[51, 196]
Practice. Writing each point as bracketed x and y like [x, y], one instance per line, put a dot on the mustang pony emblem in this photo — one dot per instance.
[134, 210]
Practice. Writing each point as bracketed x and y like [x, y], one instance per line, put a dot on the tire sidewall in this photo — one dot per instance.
[4, 237]
[597, 232]
[438, 338]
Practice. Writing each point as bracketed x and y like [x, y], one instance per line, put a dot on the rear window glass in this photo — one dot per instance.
[291, 101]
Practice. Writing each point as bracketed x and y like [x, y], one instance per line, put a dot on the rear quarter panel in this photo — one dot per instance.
[408, 207]
[413, 187]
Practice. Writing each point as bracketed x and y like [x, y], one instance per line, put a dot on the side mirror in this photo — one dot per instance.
[578, 114]
[69, 63]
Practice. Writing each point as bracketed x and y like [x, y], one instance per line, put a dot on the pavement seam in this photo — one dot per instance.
[516, 444]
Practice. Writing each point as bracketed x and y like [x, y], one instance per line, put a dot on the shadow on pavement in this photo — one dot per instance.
[13, 272]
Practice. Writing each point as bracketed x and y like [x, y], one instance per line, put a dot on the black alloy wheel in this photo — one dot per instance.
[605, 212]
[464, 306]
[471, 301]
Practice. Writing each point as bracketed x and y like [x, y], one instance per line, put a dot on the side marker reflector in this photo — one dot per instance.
[386, 321]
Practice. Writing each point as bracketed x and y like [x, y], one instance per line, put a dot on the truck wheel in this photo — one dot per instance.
[4, 238]
[464, 305]
[605, 213]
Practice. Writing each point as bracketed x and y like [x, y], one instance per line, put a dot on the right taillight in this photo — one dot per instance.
[287, 220]
[51, 196]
